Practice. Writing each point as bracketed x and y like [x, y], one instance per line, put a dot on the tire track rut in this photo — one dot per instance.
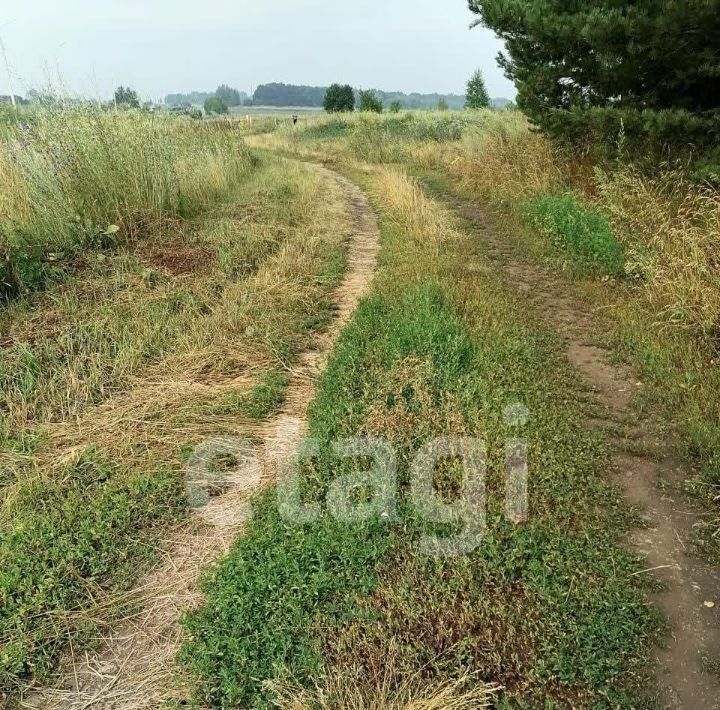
[653, 484]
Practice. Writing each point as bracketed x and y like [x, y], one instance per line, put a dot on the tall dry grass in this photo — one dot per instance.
[671, 227]
[507, 163]
[88, 178]
[339, 693]
[183, 297]
[668, 224]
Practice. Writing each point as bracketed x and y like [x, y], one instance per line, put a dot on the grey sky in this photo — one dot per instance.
[163, 46]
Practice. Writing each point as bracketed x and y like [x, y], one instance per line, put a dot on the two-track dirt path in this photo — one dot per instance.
[650, 483]
[134, 667]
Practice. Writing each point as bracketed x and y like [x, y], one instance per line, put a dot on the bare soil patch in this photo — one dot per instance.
[177, 259]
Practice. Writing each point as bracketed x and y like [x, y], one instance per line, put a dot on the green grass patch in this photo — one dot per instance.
[579, 232]
[331, 128]
[551, 610]
[299, 578]
[263, 400]
[64, 542]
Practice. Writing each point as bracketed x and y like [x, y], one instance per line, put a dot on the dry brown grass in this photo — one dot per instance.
[505, 163]
[152, 408]
[85, 341]
[340, 692]
[142, 387]
[670, 227]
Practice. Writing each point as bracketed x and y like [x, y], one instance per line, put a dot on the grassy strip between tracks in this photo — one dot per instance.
[331, 614]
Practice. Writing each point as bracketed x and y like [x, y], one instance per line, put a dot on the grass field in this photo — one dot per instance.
[120, 355]
[640, 249]
[356, 611]
[162, 277]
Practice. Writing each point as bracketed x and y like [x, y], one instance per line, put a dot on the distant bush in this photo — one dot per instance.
[214, 104]
[396, 106]
[368, 101]
[126, 97]
[584, 235]
[339, 99]
[231, 97]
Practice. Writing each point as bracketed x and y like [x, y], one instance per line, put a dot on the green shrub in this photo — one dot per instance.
[369, 101]
[339, 99]
[331, 128]
[214, 104]
[582, 234]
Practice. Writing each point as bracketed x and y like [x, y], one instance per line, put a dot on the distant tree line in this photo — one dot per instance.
[335, 98]
[230, 96]
[454, 102]
[7, 99]
[288, 95]
[314, 96]
[278, 94]
[194, 98]
[396, 100]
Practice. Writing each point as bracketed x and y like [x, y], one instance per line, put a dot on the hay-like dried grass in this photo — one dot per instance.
[339, 692]
[135, 666]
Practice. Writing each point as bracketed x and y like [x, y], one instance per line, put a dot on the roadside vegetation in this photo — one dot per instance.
[174, 315]
[315, 615]
[159, 282]
[85, 180]
[640, 246]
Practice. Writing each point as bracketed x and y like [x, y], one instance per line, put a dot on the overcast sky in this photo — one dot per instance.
[164, 46]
